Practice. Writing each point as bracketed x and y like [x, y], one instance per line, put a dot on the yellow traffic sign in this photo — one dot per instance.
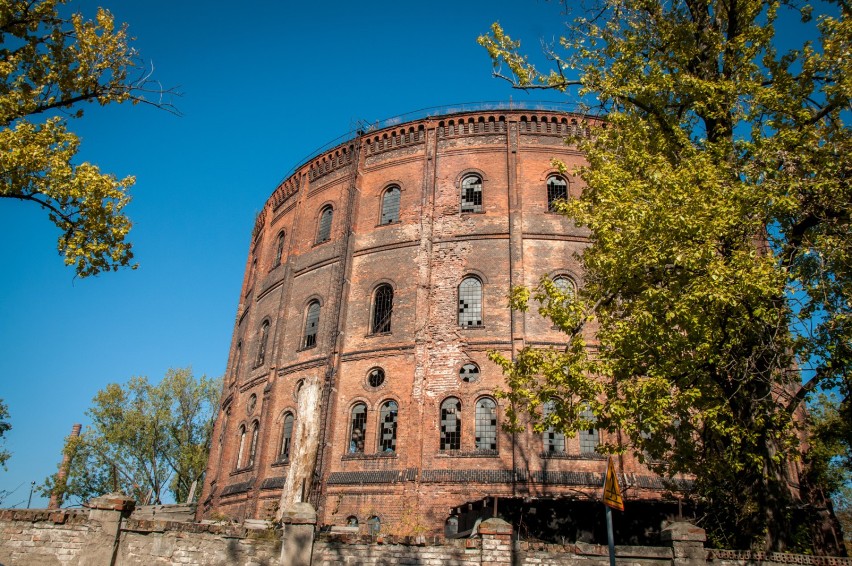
[612, 492]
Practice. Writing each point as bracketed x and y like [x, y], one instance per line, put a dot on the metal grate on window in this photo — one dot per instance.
[557, 189]
[261, 346]
[311, 325]
[387, 427]
[286, 437]
[382, 309]
[471, 194]
[451, 424]
[390, 205]
[324, 232]
[358, 424]
[588, 437]
[469, 373]
[470, 302]
[486, 425]
[554, 441]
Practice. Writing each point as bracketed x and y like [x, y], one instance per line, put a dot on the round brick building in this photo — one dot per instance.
[376, 284]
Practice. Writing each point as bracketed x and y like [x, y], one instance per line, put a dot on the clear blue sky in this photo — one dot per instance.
[265, 83]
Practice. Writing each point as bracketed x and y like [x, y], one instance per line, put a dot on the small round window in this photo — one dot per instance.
[376, 377]
[252, 403]
[469, 373]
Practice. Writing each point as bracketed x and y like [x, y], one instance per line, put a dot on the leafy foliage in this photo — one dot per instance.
[720, 260]
[49, 66]
[143, 438]
[5, 426]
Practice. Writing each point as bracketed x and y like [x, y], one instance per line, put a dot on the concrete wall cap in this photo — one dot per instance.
[495, 527]
[682, 531]
[299, 514]
[112, 502]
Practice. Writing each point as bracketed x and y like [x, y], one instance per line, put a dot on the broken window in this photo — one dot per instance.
[486, 424]
[311, 325]
[390, 205]
[557, 190]
[554, 440]
[387, 427]
[469, 373]
[470, 302]
[286, 437]
[358, 426]
[324, 230]
[253, 447]
[451, 424]
[242, 447]
[376, 377]
[588, 436]
[382, 309]
[471, 194]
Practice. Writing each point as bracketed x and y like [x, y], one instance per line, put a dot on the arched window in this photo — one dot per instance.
[358, 425]
[242, 447]
[279, 249]
[351, 521]
[470, 302]
[565, 285]
[451, 424]
[486, 424]
[471, 194]
[382, 309]
[451, 526]
[311, 325]
[554, 440]
[557, 189]
[261, 345]
[387, 427]
[390, 205]
[286, 437]
[374, 525]
[238, 357]
[469, 373]
[324, 229]
[588, 436]
[253, 446]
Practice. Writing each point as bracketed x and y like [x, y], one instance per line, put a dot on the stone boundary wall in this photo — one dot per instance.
[105, 534]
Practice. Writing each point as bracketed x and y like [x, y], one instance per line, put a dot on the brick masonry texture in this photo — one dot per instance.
[423, 255]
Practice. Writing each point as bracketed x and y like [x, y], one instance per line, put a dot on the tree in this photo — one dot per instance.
[51, 66]
[720, 260]
[143, 438]
[5, 426]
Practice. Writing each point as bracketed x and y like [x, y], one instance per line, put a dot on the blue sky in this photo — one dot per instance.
[265, 83]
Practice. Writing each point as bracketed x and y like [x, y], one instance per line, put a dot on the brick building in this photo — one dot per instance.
[376, 283]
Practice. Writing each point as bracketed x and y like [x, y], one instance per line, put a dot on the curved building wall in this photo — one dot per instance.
[441, 236]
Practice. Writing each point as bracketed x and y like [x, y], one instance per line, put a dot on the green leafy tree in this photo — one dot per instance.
[5, 426]
[50, 66]
[718, 205]
[143, 438]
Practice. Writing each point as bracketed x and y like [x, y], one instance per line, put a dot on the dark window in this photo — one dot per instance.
[469, 373]
[471, 194]
[554, 440]
[390, 205]
[324, 231]
[451, 526]
[470, 302]
[588, 436]
[253, 447]
[286, 437]
[279, 250]
[311, 325]
[351, 521]
[451, 424]
[387, 427]
[242, 446]
[238, 356]
[374, 525]
[358, 424]
[486, 424]
[261, 345]
[382, 309]
[557, 189]
[376, 377]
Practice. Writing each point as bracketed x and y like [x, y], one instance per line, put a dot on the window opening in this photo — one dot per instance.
[253, 446]
[470, 302]
[451, 424]
[557, 189]
[242, 446]
[374, 525]
[324, 232]
[469, 373]
[471, 194]
[252, 403]
[451, 526]
[376, 377]
[261, 346]
[286, 437]
[279, 250]
[387, 427]
[357, 429]
[390, 205]
[554, 441]
[486, 424]
[352, 521]
[311, 325]
[589, 436]
[565, 285]
[382, 309]
[235, 371]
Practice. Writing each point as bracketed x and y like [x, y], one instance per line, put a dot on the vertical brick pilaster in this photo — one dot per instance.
[496, 547]
[687, 542]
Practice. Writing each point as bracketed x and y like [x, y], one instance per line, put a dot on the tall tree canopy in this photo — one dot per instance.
[718, 205]
[143, 438]
[50, 64]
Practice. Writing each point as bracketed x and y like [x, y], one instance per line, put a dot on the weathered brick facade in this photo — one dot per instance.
[441, 235]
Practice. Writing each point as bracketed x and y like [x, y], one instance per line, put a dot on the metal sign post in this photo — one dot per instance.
[612, 500]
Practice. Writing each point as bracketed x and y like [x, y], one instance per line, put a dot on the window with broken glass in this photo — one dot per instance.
[358, 425]
[286, 437]
[471, 194]
[486, 424]
[451, 424]
[390, 205]
[589, 436]
[470, 302]
[311, 325]
[554, 440]
[387, 427]
[382, 309]
[557, 190]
